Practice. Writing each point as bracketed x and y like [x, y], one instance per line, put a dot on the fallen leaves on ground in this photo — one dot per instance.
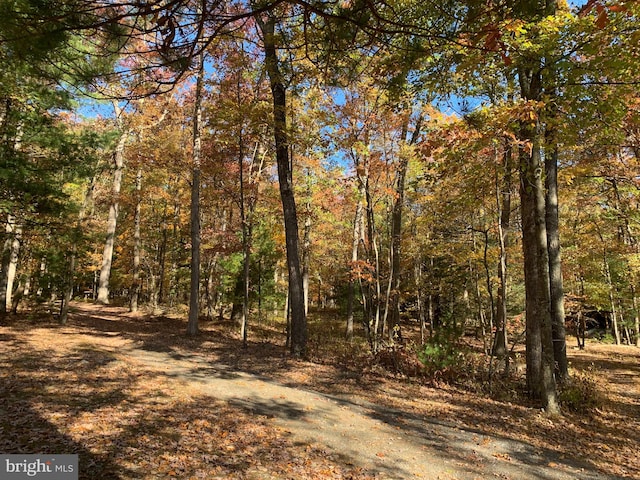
[72, 390]
[126, 423]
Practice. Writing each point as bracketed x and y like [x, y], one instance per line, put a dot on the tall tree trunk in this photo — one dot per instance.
[611, 290]
[357, 234]
[246, 252]
[503, 198]
[246, 239]
[306, 257]
[19, 294]
[487, 279]
[107, 255]
[10, 254]
[306, 242]
[194, 292]
[556, 287]
[135, 281]
[475, 275]
[374, 287]
[4, 264]
[422, 314]
[539, 343]
[636, 313]
[285, 179]
[154, 291]
[162, 255]
[238, 295]
[209, 287]
[67, 293]
[555, 264]
[175, 255]
[396, 232]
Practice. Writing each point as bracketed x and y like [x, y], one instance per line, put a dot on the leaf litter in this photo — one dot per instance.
[72, 389]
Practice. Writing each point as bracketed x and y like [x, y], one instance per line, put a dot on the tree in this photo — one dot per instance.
[540, 362]
[267, 26]
[112, 221]
[194, 294]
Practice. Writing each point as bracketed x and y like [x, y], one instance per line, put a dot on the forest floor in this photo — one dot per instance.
[136, 399]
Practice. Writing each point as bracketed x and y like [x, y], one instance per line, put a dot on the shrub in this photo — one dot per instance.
[401, 360]
[438, 356]
[608, 338]
[581, 393]
[443, 358]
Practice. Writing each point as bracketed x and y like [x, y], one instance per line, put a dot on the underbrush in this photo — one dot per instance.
[432, 362]
[582, 393]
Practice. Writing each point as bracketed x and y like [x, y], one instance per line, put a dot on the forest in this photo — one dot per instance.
[421, 176]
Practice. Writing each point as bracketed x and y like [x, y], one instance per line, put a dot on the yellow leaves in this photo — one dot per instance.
[634, 263]
[360, 148]
[516, 27]
[516, 37]
[527, 111]
[407, 151]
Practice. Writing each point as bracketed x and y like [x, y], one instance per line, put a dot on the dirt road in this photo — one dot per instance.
[392, 443]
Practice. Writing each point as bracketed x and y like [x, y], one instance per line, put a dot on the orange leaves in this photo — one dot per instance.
[361, 269]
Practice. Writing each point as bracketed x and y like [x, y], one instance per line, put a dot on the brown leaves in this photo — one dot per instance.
[71, 390]
[602, 11]
[493, 41]
[603, 17]
[68, 395]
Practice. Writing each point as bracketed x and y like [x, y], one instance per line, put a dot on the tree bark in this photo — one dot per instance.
[539, 344]
[357, 234]
[396, 233]
[611, 290]
[194, 292]
[107, 255]
[306, 256]
[154, 291]
[246, 241]
[503, 198]
[555, 264]
[135, 281]
[636, 314]
[236, 308]
[556, 287]
[420, 300]
[4, 264]
[285, 178]
[374, 286]
[162, 256]
[10, 253]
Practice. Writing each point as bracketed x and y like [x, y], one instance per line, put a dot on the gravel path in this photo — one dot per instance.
[392, 443]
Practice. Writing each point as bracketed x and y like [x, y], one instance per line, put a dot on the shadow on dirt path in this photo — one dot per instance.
[395, 443]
